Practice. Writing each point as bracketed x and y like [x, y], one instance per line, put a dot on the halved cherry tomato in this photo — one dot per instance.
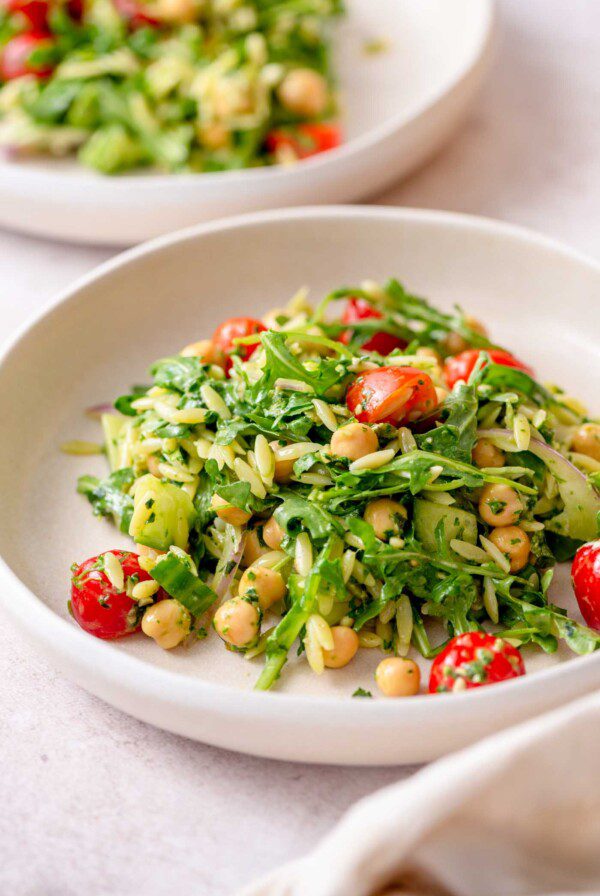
[472, 660]
[391, 395]
[585, 575]
[305, 139]
[380, 342]
[460, 367]
[14, 58]
[135, 13]
[34, 12]
[235, 328]
[98, 606]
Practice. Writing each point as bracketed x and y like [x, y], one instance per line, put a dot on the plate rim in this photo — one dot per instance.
[136, 677]
[381, 132]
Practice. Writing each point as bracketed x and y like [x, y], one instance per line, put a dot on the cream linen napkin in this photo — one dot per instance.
[518, 814]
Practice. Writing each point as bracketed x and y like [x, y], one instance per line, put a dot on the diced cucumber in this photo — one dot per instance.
[112, 427]
[180, 582]
[162, 514]
[457, 523]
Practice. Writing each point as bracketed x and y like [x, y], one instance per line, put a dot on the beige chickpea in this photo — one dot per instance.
[268, 584]
[206, 352]
[214, 135]
[441, 394]
[167, 622]
[253, 549]
[178, 12]
[304, 92]
[284, 469]
[355, 440]
[455, 343]
[273, 534]
[345, 645]
[485, 454]
[500, 505]
[398, 677]
[228, 512]
[386, 516]
[237, 622]
[514, 542]
[586, 440]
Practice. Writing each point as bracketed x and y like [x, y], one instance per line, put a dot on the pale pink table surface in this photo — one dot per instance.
[94, 803]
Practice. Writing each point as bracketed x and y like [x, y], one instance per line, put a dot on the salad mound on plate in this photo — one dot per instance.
[387, 479]
[179, 85]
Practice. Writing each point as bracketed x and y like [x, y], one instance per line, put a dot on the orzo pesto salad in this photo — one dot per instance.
[388, 480]
[180, 85]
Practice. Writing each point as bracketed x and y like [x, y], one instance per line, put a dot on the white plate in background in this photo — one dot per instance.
[538, 298]
[399, 106]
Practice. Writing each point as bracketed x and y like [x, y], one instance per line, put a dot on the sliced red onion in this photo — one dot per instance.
[223, 588]
[581, 500]
[95, 411]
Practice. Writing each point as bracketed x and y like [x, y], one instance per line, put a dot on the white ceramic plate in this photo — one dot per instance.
[541, 299]
[398, 108]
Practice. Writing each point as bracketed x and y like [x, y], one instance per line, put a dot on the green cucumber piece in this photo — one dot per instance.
[112, 427]
[457, 523]
[175, 576]
[162, 514]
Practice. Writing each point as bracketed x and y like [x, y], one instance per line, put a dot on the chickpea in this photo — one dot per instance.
[228, 512]
[487, 455]
[267, 583]
[514, 542]
[355, 440]
[253, 548]
[177, 12]
[273, 534]
[284, 469]
[398, 677]
[237, 622]
[214, 135]
[167, 622]
[345, 645]
[386, 516]
[586, 440]
[441, 394]
[455, 343]
[500, 505]
[206, 352]
[304, 92]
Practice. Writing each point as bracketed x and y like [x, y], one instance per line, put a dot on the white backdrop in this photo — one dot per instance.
[95, 803]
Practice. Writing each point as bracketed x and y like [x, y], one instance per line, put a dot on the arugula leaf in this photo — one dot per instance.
[456, 437]
[296, 513]
[281, 363]
[108, 497]
[181, 373]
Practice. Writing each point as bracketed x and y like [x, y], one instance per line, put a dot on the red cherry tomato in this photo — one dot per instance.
[382, 343]
[14, 58]
[391, 395]
[98, 606]
[472, 660]
[305, 139]
[585, 575]
[460, 367]
[235, 328]
[35, 12]
[135, 14]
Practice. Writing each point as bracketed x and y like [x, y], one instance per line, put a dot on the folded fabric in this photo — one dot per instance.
[518, 814]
